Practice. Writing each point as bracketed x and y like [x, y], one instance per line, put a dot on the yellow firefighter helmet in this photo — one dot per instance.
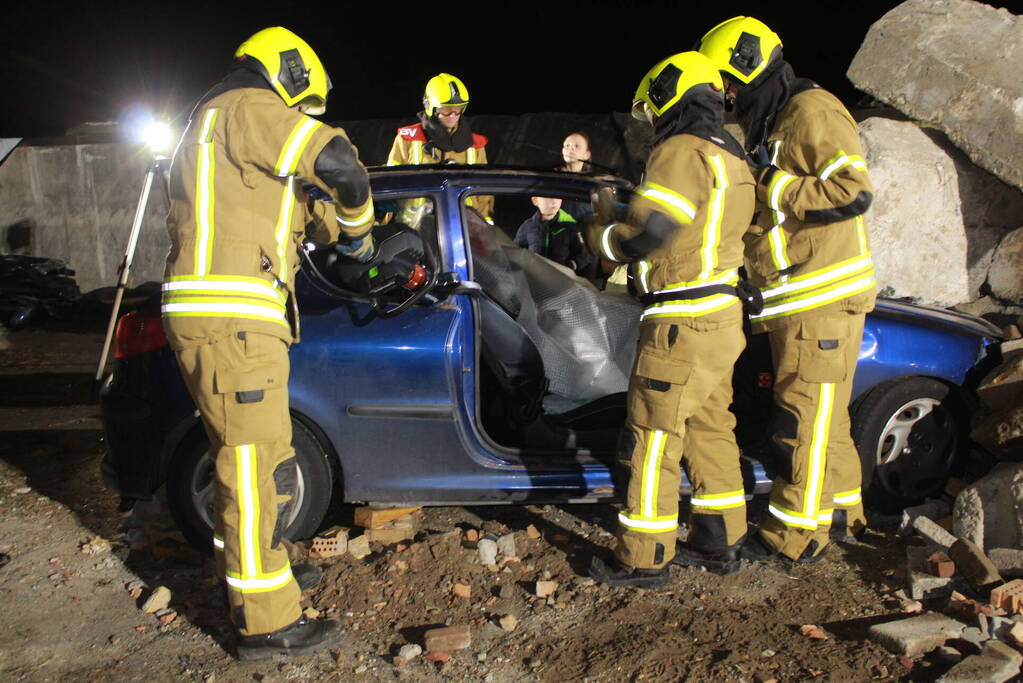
[444, 90]
[290, 67]
[670, 80]
[741, 47]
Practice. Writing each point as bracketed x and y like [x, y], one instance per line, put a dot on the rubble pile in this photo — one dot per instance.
[969, 616]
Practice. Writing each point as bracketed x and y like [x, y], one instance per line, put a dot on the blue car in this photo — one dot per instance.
[460, 369]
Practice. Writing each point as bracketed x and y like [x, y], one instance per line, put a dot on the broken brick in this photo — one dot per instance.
[438, 656]
[812, 631]
[1009, 596]
[447, 639]
[472, 535]
[461, 590]
[939, 564]
[532, 531]
[330, 543]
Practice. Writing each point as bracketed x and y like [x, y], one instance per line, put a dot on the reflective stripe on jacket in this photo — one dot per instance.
[238, 210]
[810, 250]
[708, 193]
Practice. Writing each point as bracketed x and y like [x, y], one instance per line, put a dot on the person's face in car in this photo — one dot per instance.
[548, 206]
[574, 148]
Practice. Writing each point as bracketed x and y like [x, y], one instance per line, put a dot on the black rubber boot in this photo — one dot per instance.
[758, 549]
[840, 533]
[615, 573]
[722, 562]
[300, 638]
[307, 575]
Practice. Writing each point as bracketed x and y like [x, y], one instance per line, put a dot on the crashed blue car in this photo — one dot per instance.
[461, 369]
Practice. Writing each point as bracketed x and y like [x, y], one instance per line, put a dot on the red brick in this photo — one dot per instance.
[940, 565]
[438, 656]
[1009, 597]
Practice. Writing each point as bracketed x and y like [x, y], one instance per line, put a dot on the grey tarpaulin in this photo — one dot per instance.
[586, 338]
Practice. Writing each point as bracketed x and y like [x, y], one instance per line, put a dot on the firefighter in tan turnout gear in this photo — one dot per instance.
[443, 134]
[683, 237]
[229, 308]
[810, 255]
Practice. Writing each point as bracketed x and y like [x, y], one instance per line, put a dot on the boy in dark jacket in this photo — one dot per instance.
[553, 233]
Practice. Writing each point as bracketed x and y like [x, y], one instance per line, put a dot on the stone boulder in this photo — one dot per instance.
[989, 512]
[933, 213]
[954, 63]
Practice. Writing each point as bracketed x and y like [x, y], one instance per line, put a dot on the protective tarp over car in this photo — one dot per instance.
[586, 338]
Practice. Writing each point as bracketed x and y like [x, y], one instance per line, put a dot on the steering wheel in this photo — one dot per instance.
[415, 296]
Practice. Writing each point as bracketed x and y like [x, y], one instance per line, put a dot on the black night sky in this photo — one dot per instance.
[95, 61]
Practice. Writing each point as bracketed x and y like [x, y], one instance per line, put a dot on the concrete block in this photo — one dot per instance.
[506, 545]
[995, 648]
[358, 547]
[916, 635]
[973, 564]
[331, 543]
[986, 511]
[1008, 562]
[981, 669]
[448, 639]
[933, 508]
[487, 550]
[933, 533]
[922, 583]
[954, 63]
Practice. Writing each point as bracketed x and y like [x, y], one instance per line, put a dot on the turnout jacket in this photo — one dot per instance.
[412, 147]
[706, 195]
[809, 250]
[237, 212]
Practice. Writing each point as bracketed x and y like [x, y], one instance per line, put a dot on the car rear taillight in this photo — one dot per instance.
[138, 332]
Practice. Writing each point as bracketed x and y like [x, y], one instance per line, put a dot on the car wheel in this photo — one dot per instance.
[190, 487]
[909, 433]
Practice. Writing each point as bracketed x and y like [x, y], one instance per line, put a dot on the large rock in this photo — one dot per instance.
[933, 212]
[990, 511]
[954, 63]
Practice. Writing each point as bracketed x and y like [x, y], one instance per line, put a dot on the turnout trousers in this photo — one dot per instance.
[818, 466]
[240, 386]
[679, 393]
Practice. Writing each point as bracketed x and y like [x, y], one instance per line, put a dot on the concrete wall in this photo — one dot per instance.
[80, 199]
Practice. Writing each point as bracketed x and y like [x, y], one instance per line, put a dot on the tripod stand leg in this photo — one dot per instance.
[125, 267]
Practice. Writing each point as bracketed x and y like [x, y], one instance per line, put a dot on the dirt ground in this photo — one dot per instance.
[69, 612]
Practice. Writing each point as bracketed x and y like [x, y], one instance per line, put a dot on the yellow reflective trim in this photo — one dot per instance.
[779, 247]
[284, 227]
[840, 161]
[218, 542]
[847, 497]
[185, 288]
[719, 501]
[861, 232]
[204, 195]
[715, 213]
[818, 450]
[247, 491]
[790, 518]
[470, 155]
[275, 306]
[680, 208]
[264, 583]
[360, 219]
[644, 275]
[809, 301]
[842, 270]
[417, 152]
[657, 525]
[652, 472]
[605, 242]
[776, 190]
[690, 309]
[291, 152]
[220, 314]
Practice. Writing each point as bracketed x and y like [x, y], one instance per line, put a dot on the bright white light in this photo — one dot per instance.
[157, 135]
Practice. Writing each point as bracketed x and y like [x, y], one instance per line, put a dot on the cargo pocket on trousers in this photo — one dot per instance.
[822, 350]
[655, 396]
[251, 407]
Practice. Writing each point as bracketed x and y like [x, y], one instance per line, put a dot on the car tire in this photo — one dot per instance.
[909, 433]
[190, 487]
